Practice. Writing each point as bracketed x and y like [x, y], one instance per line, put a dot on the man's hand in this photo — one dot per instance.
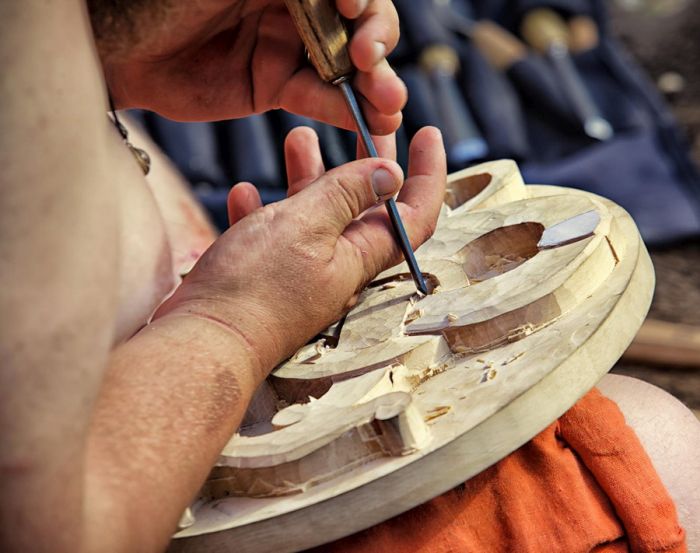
[222, 59]
[284, 272]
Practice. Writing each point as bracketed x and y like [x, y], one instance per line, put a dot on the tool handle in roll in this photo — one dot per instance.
[463, 141]
[594, 124]
[542, 27]
[324, 35]
[193, 147]
[255, 157]
[421, 109]
[421, 24]
[496, 105]
[583, 33]
[500, 48]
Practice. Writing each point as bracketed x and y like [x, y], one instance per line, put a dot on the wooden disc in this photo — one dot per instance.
[533, 329]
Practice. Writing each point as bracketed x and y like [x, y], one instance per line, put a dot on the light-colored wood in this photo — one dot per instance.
[665, 343]
[324, 36]
[440, 57]
[500, 48]
[512, 336]
[485, 185]
[583, 33]
[543, 27]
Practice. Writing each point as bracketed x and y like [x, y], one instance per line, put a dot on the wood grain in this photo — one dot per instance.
[401, 418]
[324, 36]
[666, 343]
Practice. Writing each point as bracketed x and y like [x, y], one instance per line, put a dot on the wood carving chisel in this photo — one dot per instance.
[546, 31]
[530, 74]
[439, 58]
[326, 39]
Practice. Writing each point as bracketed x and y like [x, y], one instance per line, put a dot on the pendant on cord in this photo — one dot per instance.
[140, 155]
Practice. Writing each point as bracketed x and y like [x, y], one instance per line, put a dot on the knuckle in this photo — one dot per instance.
[390, 20]
[394, 19]
[369, 256]
[385, 11]
[364, 256]
[305, 251]
[343, 194]
[428, 229]
[265, 216]
[424, 229]
[351, 8]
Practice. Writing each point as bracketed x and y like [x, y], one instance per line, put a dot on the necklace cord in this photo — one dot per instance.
[141, 156]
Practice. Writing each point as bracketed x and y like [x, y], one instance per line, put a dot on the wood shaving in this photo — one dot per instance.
[513, 358]
[437, 412]
[413, 315]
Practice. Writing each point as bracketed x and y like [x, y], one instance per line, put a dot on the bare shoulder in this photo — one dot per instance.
[58, 225]
[644, 403]
[670, 434]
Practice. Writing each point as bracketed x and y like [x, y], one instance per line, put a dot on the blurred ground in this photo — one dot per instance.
[664, 37]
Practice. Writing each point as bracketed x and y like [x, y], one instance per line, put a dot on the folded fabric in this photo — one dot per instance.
[584, 484]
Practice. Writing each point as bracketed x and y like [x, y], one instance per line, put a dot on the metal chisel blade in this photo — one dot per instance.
[394, 217]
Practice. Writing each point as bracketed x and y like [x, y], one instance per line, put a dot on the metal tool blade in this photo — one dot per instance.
[570, 230]
[394, 217]
[594, 124]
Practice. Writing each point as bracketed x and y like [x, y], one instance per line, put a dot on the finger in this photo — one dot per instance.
[383, 88]
[376, 34]
[424, 193]
[351, 8]
[242, 200]
[345, 192]
[385, 145]
[419, 203]
[305, 94]
[302, 154]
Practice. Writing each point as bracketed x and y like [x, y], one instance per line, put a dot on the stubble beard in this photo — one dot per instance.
[122, 25]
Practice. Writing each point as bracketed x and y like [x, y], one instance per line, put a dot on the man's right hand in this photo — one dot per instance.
[284, 272]
[223, 59]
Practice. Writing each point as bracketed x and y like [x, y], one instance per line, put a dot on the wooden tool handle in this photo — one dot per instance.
[500, 48]
[324, 36]
[583, 33]
[440, 57]
[664, 343]
[543, 27]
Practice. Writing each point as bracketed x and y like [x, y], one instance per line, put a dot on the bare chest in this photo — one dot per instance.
[163, 231]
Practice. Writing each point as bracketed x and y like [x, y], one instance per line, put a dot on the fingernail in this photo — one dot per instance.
[379, 51]
[362, 6]
[383, 183]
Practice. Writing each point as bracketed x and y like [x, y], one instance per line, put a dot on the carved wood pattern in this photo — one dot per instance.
[538, 290]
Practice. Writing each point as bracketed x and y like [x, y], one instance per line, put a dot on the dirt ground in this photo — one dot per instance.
[664, 36]
[676, 299]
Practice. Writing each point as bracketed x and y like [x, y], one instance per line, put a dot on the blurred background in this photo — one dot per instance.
[664, 38]
[598, 95]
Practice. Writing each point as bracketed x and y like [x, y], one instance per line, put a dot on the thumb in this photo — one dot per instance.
[343, 193]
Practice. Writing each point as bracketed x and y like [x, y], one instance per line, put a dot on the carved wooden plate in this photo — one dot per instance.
[537, 292]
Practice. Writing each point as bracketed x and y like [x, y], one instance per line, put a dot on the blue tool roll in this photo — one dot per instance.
[517, 113]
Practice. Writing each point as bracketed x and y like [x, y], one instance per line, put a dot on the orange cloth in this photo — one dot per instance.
[584, 484]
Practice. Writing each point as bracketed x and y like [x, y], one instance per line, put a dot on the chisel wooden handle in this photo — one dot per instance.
[542, 28]
[324, 35]
[326, 39]
[546, 30]
[583, 33]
